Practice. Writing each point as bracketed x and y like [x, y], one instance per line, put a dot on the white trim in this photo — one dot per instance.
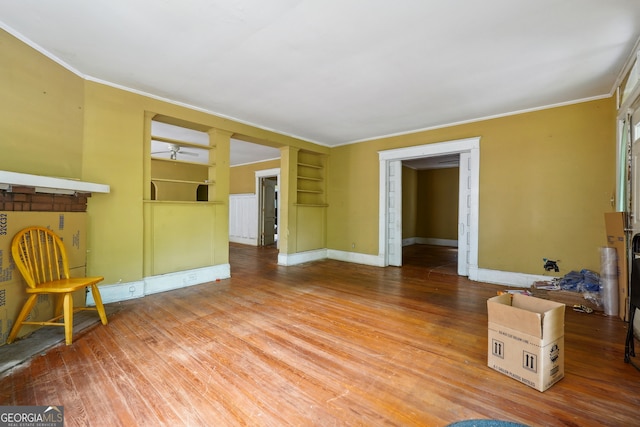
[521, 280]
[470, 145]
[253, 163]
[118, 292]
[436, 242]
[429, 241]
[267, 173]
[505, 278]
[183, 279]
[161, 283]
[358, 258]
[41, 50]
[323, 144]
[302, 257]
[244, 240]
[46, 182]
[430, 150]
[410, 241]
[633, 56]
[477, 120]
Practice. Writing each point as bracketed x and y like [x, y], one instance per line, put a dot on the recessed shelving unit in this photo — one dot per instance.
[181, 163]
[311, 179]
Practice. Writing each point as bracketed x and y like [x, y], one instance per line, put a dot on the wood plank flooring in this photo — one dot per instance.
[321, 344]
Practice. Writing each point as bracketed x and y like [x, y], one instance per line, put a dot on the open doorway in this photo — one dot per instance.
[267, 186]
[390, 225]
[430, 212]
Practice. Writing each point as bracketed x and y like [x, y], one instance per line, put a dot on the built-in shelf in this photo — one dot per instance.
[46, 184]
[174, 176]
[310, 179]
[183, 202]
[308, 165]
[182, 181]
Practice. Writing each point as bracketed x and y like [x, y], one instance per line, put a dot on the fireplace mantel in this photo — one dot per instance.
[46, 184]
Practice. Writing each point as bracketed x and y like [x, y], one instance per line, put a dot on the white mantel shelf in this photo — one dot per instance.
[46, 184]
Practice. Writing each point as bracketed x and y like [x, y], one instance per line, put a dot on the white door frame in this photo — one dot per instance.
[469, 145]
[267, 173]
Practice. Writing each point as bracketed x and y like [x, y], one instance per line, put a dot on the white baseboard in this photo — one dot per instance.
[507, 278]
[302, 257]
[162, 283]
[244, 240]
[118, 292]
[409, 241]
[429, 241]
[357, 258]
[437, 242]
[181, 279]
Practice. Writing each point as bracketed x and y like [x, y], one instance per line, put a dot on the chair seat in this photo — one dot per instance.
[64, 285]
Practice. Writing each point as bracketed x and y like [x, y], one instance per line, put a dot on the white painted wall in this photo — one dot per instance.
[243, 218]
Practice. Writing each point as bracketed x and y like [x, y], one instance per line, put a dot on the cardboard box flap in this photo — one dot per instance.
[502, 312]
[532, 316]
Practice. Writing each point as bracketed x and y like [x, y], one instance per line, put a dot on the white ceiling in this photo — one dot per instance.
[340, 71]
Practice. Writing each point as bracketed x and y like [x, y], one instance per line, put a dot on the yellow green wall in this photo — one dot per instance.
[41, 113]
[243, 177]
[409, 202]
[437, 203]
[546, 179]
[430, 203]
[55, 123]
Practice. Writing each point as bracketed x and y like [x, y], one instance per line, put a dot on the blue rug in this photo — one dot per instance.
[486, 423]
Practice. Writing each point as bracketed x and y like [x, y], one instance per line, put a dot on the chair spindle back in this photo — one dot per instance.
[40, 256]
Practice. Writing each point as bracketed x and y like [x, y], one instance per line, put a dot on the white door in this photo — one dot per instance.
[268, 211]
[464, 214]
[394, 212]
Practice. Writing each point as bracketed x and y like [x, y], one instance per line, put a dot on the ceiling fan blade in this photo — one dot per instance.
[188, 153]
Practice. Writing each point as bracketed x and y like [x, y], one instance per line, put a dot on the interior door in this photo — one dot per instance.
[269, 214]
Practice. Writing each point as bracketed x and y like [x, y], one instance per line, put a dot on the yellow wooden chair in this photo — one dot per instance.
[42, 260]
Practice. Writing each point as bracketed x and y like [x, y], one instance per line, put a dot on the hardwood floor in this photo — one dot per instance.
[325, 344]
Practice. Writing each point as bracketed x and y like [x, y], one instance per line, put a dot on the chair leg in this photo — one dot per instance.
[26, 309]
[57, 310]
[68, 318]
[97, 298]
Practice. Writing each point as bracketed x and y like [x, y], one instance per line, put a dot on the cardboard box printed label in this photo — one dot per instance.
[526, 339]
[70, 226]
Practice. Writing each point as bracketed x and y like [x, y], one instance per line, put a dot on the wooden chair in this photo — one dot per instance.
[42, 260]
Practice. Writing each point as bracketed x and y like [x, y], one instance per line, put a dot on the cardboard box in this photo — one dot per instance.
[526, 339]
[616, 238]
[70, 226]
